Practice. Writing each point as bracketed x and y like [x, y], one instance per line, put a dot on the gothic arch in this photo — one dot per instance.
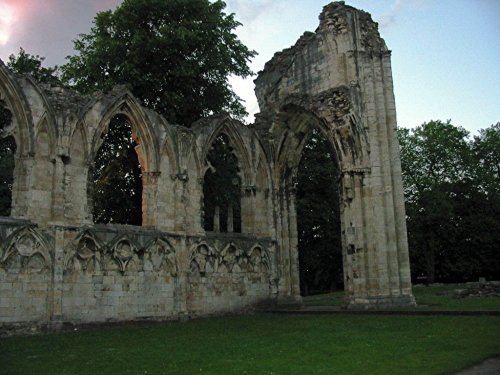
[44, 125]
[142, 129]
[233, 130]
[11, 92]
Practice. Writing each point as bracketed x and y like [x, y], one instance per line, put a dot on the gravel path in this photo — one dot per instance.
[488, 367]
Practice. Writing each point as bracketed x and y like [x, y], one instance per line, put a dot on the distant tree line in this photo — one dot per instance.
[452, 197]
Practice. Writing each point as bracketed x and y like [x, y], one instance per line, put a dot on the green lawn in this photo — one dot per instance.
[431, 297]
[263, 344]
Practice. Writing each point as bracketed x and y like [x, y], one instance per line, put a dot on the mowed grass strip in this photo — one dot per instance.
[436, 297]
[263, 344]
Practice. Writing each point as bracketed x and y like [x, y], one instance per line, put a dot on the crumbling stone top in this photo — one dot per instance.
[64, 99]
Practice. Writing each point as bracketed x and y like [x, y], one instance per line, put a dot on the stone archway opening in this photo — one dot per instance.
[318, 217]
[222, 188]
[116, 177]
[7, 160]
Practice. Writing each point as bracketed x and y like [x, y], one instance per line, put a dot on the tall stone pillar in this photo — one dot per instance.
[149, 197]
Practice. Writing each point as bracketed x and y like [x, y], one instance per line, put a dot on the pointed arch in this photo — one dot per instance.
[84, 253]
[142, 130]
[12, 94]
[160, 255]
[27, 243]
[233, 130]
[44, 126]
[298, 123]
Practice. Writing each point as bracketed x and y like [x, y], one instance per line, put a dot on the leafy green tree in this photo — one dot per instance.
[24, 63]
[486, 148]
[452, 206]
[318, 218]
[175, 55]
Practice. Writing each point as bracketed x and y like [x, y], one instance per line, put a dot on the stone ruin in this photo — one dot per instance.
[57, 266]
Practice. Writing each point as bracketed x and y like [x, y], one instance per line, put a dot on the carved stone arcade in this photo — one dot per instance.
[56, 265]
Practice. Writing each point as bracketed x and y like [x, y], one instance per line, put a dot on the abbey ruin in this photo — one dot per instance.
[57, 266]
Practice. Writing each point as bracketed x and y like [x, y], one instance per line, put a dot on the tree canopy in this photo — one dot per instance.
[175, 55]
[452, 203]
[25, 63]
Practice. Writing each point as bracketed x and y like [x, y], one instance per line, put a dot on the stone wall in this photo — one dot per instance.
[56, 265]
[116, 272]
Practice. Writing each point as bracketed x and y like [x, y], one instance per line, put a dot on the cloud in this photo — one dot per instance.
[47, 28]
[248, 11]
[389, 19]
[392, 17]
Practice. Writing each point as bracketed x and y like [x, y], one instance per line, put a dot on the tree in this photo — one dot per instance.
[24, 63]
[318, 217]
[433, 157]
[175, 55]
[451, 193]
[486, 148]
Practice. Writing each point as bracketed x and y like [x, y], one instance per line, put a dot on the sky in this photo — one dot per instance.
[445, 53]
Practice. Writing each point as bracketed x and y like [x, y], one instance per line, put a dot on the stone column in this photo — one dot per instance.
[21, 197]
[289, 283]
[58, 203]
[217, 219]
[149, 197]
[56, 294]
[230, 219]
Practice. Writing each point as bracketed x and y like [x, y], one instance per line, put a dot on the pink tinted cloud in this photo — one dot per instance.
[47, 27]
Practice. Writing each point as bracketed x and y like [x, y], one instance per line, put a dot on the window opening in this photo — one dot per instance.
[222, 189]
[318, 218]
[117, 177]
[7, 161]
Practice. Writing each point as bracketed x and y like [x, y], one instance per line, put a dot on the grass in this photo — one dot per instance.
[263, 344]
[427, 297]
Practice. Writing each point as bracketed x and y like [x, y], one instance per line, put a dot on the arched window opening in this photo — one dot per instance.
[222, 189]
[318, 217]
[7, 152]
[117, 177]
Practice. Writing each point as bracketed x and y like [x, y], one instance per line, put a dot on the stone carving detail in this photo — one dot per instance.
[203, 260]
[332, 20]
[124, 255]
[206, 259]
[85, 254]
[160, 256]
[26, 252]
[259, 259]
[334, 105]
